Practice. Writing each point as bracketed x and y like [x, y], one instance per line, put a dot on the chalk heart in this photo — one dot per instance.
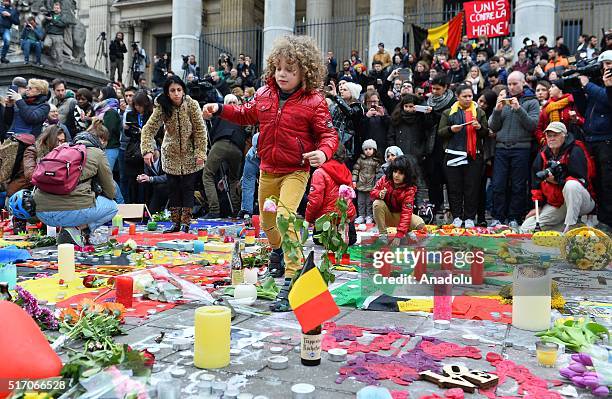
[24, 351]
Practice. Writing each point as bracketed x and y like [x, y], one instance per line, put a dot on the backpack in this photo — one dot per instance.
[591, 168]
[11, 154]
[59, 171]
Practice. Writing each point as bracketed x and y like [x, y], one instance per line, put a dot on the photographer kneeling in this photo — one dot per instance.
[561, 178]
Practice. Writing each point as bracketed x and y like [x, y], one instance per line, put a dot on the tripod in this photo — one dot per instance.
[102, 52]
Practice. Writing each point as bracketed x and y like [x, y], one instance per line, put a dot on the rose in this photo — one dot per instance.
[88, 281]
[346, 192]
[270, 206]
[149, 358]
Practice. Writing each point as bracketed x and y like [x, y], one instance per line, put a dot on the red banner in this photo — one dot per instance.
[490, 18]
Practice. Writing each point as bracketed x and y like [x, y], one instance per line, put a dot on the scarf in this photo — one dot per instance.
[106, 105]
[438, 103]
[470, 115]
[475, 82]
[554, 108]
[409, 117]
[88, 139]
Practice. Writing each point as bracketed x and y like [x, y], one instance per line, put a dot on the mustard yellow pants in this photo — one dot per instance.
[289, 188]
[385, 218]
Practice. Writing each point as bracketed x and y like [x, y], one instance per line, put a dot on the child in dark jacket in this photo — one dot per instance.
[324, 191]
[393, 198]
[364, 178]
[296, 133]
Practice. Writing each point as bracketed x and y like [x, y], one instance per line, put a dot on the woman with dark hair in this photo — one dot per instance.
[393, 198]
[51, 137]
[136, 118]
[183, 150]
[107, 110]
[83, 111]
[486, 102]
[421, 73]
[463, 128]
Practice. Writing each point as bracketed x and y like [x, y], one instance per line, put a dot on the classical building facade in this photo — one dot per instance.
[210, 27]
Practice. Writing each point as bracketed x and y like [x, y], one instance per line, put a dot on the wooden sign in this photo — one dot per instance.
[461, 377]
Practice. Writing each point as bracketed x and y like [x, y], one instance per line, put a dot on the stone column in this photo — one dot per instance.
[126, 28]
[319, 22]
[532, 19]
[186, 31]
[386, 25]
[279, 20]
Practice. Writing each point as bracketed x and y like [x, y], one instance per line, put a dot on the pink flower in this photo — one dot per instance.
[270, 206]
[346, 192]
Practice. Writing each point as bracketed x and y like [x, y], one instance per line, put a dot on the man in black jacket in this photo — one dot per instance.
[9, 17]
[116, 52]
[55, 26]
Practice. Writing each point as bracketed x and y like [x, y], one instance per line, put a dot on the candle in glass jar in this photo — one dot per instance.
[546, 353]
[65, 262]
[249, 239]
[212, 337]
[442, 297]
[132, 229]
[118, 221]
[198, 247]
[124, 287]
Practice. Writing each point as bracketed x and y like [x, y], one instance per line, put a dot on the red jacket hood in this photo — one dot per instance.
[338, 172]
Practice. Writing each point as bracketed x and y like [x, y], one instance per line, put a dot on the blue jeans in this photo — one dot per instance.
[249, 180]
[102, 212]
[28, 46]
[118, 195]
[6, 41]
[513, 165]
[112, 154]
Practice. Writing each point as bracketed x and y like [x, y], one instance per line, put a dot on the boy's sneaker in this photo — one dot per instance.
[495, 223]
[369, 220]
[69, 235]
[458, 222]
[469, 223]
[243, 214]
[359, 220]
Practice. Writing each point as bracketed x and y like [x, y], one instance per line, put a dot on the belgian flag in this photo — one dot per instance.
[310, 299]
[450, 31]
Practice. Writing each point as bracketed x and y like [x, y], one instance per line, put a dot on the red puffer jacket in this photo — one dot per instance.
[324, 190]
[398, 199]
[302, 125]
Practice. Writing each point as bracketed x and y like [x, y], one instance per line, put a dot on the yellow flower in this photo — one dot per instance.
[583, 264]
[599, 248]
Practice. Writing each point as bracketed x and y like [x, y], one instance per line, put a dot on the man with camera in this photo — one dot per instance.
[55, 26]
[598, 135]
[31, 39]
[560, 182]
[10, 17]
[115, 54]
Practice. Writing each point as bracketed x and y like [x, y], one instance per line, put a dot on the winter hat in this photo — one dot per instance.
[354, 88]
[369, 143]
[393, 150]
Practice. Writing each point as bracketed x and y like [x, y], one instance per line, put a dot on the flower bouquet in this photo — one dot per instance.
[587, 248]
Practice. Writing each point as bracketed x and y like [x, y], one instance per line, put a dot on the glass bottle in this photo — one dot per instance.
[310, 349]
[237, 265]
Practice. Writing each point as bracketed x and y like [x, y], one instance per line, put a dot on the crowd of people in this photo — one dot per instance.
[469, 128]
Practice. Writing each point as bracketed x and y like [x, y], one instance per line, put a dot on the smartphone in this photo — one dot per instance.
[507, 101]
[421, 108]
[571, 59]
[14, 88]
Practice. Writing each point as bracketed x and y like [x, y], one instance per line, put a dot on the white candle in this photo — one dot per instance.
[65, 262]
[537, 215]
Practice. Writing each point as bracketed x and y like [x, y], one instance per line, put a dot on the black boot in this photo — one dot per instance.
[352, 234]
[175, 217]
[276, 265]
[185, 219]
[282, 299]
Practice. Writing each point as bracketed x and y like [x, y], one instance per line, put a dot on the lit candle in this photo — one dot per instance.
[212, 337]
[198, 247]
[132, 229]
[546, 353]
[124, 287]
[477, 271]
[65, 262]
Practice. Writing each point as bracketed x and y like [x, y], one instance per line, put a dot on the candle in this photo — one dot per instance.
[198, 247]
[124, 287]
[202, 232]
[420, 267]
[249, 239]
[250, 275]
[8, 274]
[546, 353]
[212, 337]
[442, 298]
[477, 271]
[256, 224]
[65, 262]
[118, 221]
[132, 229]
[447, 261]
[115, 231]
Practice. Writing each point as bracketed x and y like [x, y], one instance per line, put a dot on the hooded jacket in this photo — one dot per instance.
[301, 124]
[399, 199]
[28, 115]
[515, 128]
[324, 187]
[364, 172]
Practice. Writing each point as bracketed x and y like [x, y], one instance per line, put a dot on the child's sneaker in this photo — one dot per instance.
[369, 220]
[469, 223]
[458, 222]
[359, 220]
